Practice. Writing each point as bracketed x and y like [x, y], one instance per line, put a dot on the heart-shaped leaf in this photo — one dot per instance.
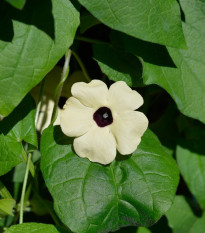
[90, 197]
[32, 41]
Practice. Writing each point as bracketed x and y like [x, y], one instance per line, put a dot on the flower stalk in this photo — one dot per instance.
[81, 66]
[31, 165]
[24, 189]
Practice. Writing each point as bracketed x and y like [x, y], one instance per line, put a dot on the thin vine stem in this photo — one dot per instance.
[31, 165]
[24, 189]
[39, 101]
[81, 66]
[59, 88]
[90, 40]
[4, 192]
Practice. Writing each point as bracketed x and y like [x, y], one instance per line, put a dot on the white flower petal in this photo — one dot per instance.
[75, 118]
[98, 145]
[122, 98]
[93, 94]
[127, 129]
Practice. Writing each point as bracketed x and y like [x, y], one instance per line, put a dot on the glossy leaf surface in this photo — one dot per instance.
[89, 197]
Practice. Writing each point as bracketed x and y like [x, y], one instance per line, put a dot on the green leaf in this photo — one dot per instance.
[10, 151]
[191, 61]
[19, 173]
[191, 162]
[20, 124]
[89, 197]
[17, 3]
[186, 84]
[143, 230]
[119, 65]
[32, 42]
[182, 219]
[183, 79]
[32, 227]
[6, 207]
[156, 21]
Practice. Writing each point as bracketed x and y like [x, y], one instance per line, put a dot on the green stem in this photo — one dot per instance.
[31, 165]
[39, 101]
[59, 88]
[81, 66]
[90, 40]
[24, 189]
[4, 191]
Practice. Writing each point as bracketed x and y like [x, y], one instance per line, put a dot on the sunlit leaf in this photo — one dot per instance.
[180, 72]
[191, 162]
[6, 207]
[156, 21]
[32, 41]
[32, 227]
[89, 197]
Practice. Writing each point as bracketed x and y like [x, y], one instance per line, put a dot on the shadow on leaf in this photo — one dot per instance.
[60, 138]
[36, 12]
[18, 114]
[150, 52]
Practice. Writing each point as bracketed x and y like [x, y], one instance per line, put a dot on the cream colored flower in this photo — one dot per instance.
[103, 120]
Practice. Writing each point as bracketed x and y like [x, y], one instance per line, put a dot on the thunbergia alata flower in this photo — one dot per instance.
[103, 120]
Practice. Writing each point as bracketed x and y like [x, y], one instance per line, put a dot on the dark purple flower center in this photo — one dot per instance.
[103, 117]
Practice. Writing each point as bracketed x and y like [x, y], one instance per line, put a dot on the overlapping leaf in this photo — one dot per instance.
[119, 65]
[32, 41]
[90, 197]
[191, 162]
[179, 72]
[20, 124]
[156, 21]
[182, 219]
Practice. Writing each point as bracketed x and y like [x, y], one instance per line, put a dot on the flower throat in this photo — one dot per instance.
[103, 117]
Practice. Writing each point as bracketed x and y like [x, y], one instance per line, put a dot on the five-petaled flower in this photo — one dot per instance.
[103, 120]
